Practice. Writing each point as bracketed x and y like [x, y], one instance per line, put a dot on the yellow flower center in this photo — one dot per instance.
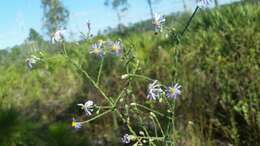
[101, 42]
[115, 48]
[172, 91]
[96, 50]
[73, 124]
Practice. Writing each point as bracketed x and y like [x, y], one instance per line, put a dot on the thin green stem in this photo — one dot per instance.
[189, 21]
[158, 123]
[96, 117]
[100, 70]
[125, 121]
[140, 76]
[151, 138]
[155, 127]
[118, 98]
[94, 83]
[103, 107]
[149, 109]
[64, 49]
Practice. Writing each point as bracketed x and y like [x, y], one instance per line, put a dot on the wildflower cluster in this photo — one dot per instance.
[31, 61]
[155, 91]
[158, 22]
[102, 48]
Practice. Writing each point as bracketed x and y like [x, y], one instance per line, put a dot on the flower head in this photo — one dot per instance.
[58, 36]
[116, 47]
[76, 125]
[203, 3]
[126, 139]
[97, 49]
[31, 61]
[124, 76]
[158, 22]
[173, 91]
[154, 90]
[87, 107]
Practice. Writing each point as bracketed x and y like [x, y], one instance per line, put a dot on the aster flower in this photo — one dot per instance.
[58, 36]
[158, 22]
[154, 90]
[76, 125]
[203, 3]
[116, 47]
[173, 91]
[97, 49]
[87, 107]
[126, 139]
[31, 61]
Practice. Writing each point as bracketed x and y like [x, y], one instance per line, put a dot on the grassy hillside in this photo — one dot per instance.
[216, 62]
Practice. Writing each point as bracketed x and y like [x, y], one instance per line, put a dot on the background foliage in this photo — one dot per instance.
[217, 64]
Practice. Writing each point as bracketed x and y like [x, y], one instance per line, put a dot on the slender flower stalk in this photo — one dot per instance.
[189, 21]
[125, 76]
[96, 117]
[149, 109]
[94, 83]
[100, 70]
[88, 23]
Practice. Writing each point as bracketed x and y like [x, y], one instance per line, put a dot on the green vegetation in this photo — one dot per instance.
[216, 62]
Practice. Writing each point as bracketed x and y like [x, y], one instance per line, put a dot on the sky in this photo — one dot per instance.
[18, 16]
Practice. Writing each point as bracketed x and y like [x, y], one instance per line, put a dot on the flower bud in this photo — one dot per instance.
[124, 76]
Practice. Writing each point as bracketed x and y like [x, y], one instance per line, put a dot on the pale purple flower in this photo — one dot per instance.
[32, 61]
[87, 107]
[126, 139]
[158, 22]
[173, 91]
[97, 49]
[116, 47]
[76, 125]
[154, 90]
[58, 36]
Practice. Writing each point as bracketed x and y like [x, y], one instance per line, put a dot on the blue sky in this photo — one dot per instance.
[18, 16]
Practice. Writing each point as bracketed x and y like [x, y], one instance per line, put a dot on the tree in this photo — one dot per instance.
[216, 2]
[120, 6]
[150, 4]
[34, 35]
[55, 16]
